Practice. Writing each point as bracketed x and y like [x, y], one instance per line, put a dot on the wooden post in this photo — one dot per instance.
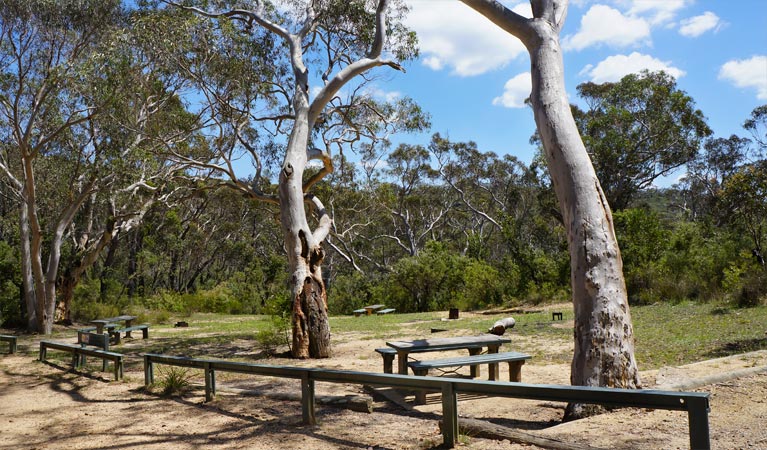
[307, 399]
[515, 370]
[402, 362]
[388, 362]
[449, 415]
[43, 351]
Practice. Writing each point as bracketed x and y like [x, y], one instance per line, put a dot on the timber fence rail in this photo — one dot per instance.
[696, 404]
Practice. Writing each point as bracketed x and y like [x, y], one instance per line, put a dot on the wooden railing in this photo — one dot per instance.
[696, 404]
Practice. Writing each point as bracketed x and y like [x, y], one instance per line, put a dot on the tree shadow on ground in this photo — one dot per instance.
[738, 347]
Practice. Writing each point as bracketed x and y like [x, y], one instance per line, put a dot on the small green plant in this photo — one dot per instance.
[274, 335]
[174, 380]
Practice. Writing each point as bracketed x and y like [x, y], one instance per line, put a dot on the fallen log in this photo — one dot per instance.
[502, 325]
[487, 430]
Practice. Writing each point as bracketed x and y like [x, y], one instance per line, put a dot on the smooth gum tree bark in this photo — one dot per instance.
[604, 336]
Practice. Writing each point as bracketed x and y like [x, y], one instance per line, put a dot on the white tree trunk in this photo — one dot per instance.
[604, 337]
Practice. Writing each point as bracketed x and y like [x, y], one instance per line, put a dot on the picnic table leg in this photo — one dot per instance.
[475, 368]
[420, 395]
[388, 363]
[515, 371]
[99, 328]
[402, 362]
[493, 366]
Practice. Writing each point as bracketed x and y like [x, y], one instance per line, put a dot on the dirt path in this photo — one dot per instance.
[46, 407]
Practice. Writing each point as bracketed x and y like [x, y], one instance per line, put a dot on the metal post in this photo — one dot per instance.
[148, 371]
[697, 414]
[307, 399]
[449, 415]
[209, 382]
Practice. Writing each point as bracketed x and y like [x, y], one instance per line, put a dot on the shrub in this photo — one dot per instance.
[174, 380]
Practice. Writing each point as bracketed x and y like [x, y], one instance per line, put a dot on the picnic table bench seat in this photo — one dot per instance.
[127, 330]
[11, 340]
[359, 312]
[515, 360]
[386, 311]
[79, 353]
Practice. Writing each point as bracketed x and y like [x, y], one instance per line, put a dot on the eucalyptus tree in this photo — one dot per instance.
[714, 164]
[336, 44]
[636, 130]
[75, 108]
[42, 46]
[604, 336]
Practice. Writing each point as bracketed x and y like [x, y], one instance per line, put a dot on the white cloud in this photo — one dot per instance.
[515, 91]
[659, 11]
[695, 26]
[386, 96]
[747, 73]
[615, 67]
[453, 35]
[603, 25]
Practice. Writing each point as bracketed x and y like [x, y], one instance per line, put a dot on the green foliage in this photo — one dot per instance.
[745, 282]
[275, 334]
[173, 380]
[10, 282]
[438, 279]
[636, 130]
[352, 291]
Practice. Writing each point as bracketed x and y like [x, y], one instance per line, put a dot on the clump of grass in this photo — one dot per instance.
[174, 381]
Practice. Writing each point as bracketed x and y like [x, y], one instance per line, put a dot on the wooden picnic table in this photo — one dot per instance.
[369, 310]
[101, 323]
[474, 344]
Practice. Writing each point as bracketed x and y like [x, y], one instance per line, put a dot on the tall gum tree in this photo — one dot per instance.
[317, 31]
[604, 335]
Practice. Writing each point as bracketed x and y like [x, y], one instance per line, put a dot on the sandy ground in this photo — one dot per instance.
[46, 406]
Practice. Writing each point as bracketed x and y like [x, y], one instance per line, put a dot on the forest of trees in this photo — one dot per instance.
[119, 193]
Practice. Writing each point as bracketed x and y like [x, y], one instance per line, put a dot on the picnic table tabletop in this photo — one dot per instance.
[114, 319]
[100, 323]
[374, 307]
[450, 343]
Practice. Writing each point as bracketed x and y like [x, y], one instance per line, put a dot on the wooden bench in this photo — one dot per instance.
[79, 352]
[386, 311]
[359, 312]
[100, 341]
[556, 316]
[11, 340]
[515, 360]
[115, 333]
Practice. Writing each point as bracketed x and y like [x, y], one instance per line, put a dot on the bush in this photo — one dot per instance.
[10, 282]
[353, 291]
[745, 283]
[174, 380]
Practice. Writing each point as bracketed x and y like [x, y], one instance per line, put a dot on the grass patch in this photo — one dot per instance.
[669, 335]
[666, 334]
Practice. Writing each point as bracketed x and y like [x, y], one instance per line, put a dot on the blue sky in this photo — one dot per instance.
[472, 77]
